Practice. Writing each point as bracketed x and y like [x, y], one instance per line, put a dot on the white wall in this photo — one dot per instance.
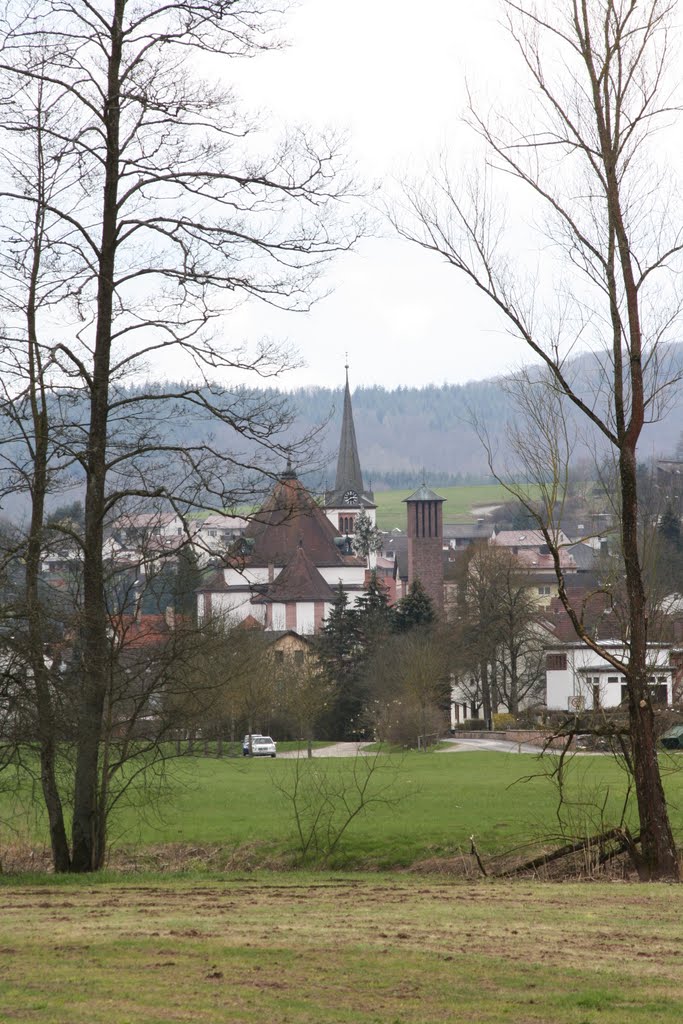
[234, 606]
[305, 619]
[572, 688]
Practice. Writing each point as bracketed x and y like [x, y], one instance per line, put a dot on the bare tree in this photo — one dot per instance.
[305, 693]
[498, 640]
[137, 210]
[408, 680]
[600, 73]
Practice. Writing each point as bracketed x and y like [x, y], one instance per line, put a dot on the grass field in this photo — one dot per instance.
[337, 949]
[505, 800]
[460, 501]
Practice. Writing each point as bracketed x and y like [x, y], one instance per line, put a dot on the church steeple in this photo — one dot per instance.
[349, 497]
[349, 475]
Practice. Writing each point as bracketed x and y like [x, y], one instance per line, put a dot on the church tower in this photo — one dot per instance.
[349, 497]
[425, 542]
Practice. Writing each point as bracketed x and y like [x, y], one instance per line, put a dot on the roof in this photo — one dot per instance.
[289, 518]
[467, 531]
[221, 521]
[397, 545]
[584, 556]
[424, 493]
[524, 538]
[530, 557]
[349, 474]
[298, 581]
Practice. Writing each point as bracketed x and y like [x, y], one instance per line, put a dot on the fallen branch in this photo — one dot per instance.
[475, 853]
[568, 850]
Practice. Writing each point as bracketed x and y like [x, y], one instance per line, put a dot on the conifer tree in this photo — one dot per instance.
[415, 609]
[339, 649]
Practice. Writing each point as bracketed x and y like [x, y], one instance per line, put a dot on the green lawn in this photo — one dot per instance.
[460, 502]
[505, 800]
[339, 949]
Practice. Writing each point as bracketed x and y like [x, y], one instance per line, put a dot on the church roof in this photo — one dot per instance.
[298, 581]
[349, 474]
[289, 518]
[424, 493]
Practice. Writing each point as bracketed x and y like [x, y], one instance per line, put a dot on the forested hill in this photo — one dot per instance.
[405, 431]
[408, 430]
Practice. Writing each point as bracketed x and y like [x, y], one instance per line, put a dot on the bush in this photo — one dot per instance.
[401, 722]
[473, 725]
[504, 721]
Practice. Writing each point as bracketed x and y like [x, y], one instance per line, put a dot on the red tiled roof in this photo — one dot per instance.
[298, 581]
[290, 518]
[594, 609]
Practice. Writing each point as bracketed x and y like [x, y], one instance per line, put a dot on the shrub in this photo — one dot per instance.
[473, 725]
[504, 721]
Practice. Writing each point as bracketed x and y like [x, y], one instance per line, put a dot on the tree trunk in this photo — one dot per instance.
[95, 642]
[61, 856]
[660, 860]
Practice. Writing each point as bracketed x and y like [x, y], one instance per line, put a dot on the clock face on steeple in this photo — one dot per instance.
[350, 498]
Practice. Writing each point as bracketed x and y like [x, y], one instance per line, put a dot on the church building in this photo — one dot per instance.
[286, 567]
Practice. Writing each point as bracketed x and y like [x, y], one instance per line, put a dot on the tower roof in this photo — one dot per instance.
[300, 580]
[349, 478]
[424, 493]
[349, 475]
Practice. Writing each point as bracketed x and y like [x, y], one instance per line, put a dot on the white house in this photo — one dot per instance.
[578, 679]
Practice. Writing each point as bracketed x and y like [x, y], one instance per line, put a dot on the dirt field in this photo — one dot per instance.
[327, 950]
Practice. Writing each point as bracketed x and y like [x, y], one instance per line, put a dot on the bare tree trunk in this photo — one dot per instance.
[660, 860]
[94, 678]
[61, 856]
[594, 110]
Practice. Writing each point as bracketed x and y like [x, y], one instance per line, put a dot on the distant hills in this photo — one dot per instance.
[409, 432]
[406, 431]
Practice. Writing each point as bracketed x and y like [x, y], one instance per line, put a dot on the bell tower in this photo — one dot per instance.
[425, 542]
[349, 497]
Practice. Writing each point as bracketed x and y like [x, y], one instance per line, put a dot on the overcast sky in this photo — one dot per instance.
[392, 73]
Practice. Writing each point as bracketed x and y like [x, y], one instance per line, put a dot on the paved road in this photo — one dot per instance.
[462, 745]
[458, 746]
[334, 750]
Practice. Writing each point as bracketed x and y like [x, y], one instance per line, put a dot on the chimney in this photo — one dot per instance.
[271, 571]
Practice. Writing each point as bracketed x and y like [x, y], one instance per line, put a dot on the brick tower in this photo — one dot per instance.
[425, 542]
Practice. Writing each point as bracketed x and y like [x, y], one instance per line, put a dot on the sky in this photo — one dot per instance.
[391, 74]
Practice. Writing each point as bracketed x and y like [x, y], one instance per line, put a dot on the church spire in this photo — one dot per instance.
[349, 475]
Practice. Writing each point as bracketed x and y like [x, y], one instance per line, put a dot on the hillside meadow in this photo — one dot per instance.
[460, 506]
[422, 806]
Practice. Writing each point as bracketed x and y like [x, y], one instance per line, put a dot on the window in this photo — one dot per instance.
[298, 657]
[544, 591]
[279, 656]
[555, 662]
[612, 679]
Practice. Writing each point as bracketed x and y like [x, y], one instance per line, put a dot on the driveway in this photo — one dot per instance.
[334, 750]
[461, 745]
[458, 746]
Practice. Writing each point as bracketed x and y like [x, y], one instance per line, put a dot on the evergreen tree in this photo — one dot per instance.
[415, 609]
[669, 527]
[339, 649]
[376, 617]
[367, 537]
